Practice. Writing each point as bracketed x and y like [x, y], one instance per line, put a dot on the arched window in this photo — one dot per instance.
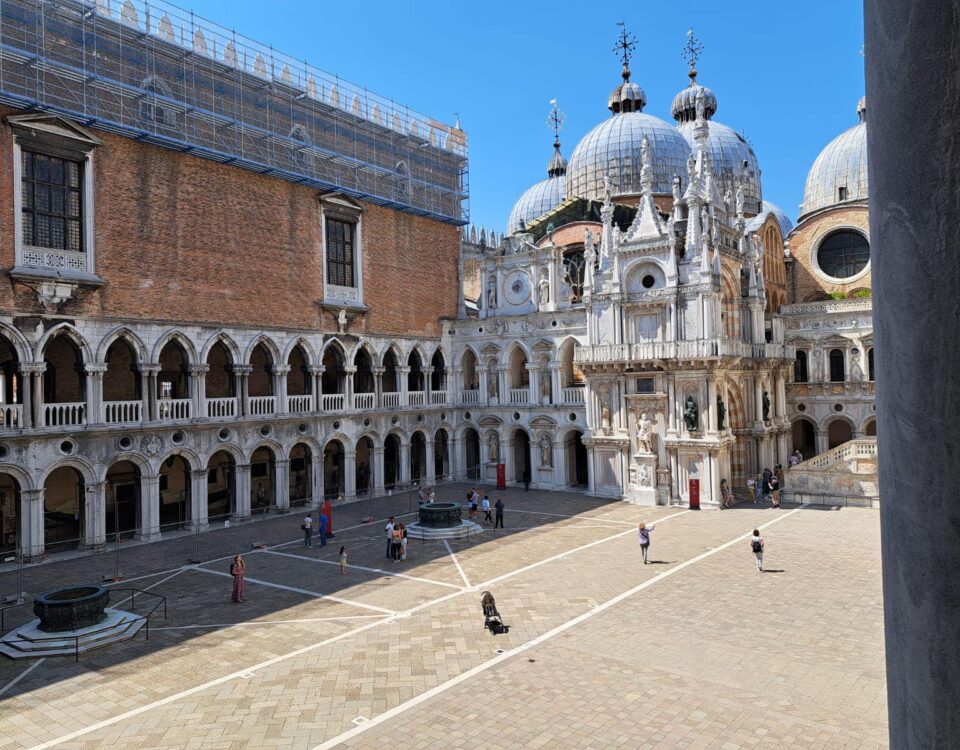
[403, 181]
[152, 110]
[837, 366]
[800, 373]
[870, 364]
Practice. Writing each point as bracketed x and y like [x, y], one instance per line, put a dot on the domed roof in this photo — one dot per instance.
[535, 202]
[839, 175]
[627, 97]
[768, 208]
[613, 148]
[684, 107]
[728, 152]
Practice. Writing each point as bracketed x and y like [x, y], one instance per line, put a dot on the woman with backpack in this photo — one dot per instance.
[756, 544]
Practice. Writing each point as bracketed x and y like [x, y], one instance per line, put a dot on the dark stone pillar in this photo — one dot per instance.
[913, 137]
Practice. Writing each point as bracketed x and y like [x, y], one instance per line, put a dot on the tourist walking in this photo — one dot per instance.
[322, 528]
[237, 570]
[499, 508]
[752, 489]
[389, 530]
[403, 541]
[726, 498]
[474, 501]
[767, 488]
[774, 492]
[396, 542]
[756, 544]
[643, 534]
[485, 507]
[343, 560]
[781, 482]
[307, 527]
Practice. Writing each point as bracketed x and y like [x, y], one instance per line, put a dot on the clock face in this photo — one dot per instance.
[517, 288]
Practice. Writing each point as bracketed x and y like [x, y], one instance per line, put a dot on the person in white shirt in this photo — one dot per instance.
[307, 527]
[756, 545]
[485, 507]
[389, 530]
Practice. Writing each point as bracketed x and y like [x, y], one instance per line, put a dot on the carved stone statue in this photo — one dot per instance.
[691, 168]
[342, 320]
[700, 105]
[545, 387]
[856, 362]
[766, 406]
[644, 476]
[546, 451]
[494, 447]
[644, 434]
[544, 288]
[721, 412]
[492, 383]
[740, 199]
[607, 189]
[605, 417]
[676, 190]
[691, 414]
[491, 293]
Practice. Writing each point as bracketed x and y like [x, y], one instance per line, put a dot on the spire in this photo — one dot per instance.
[627, 97]
[684, 103]
[691, 53]
[558, 165]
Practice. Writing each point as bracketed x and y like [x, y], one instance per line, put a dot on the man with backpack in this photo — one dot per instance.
[756, 544]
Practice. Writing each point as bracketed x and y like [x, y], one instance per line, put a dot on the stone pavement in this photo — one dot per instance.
[696, 650]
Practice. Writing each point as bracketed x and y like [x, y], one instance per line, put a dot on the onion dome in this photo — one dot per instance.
[542, 197]
[839, 174]
[684, 107]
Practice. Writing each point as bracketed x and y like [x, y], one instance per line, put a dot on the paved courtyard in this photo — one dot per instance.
[696, 650]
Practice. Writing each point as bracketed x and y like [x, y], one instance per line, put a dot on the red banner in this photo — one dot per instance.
[501, 476]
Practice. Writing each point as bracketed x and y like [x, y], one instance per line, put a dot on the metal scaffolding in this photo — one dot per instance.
[159, 74]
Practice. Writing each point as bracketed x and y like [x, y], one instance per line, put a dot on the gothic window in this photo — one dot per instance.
[52, 198]
[843, 254]
[837, 366]
[340, 258]
[870, 364]
[153, 111]
[573, 273]
[403, 181]
[800, 373]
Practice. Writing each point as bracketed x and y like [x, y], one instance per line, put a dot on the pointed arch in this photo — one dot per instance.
[365, 346]
[125, 333]
[227, 340]
[336, 343]
[64, 329]
[18, 341]
[174, 335]
[304, 344]
[269, 344]
[508, 350]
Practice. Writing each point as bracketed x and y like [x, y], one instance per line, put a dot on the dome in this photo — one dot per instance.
[728, 151]
[535, 202]
[684, 107]
[768, 208]
[839, 175]
[627, 97]
[613, 147]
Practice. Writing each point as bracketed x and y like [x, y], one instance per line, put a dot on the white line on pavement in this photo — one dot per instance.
[268, 622]
[152, 585]
[463, 575]
[295, 590]
[369, 570]
[20, 676]
[464, 676]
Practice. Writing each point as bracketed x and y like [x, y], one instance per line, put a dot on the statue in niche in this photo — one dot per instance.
[491, 293]
[721, 412]
[691, 414]
[728, 199]
[544, 288]
[644, 434]
[494, 447]
[605, 417]
[740, 199]
[766, 406]
[546, 451]
[492, 383]
[692, 169]
[856, 365]
[545, 387]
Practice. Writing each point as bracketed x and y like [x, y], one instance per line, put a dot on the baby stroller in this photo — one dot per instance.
[491, 617]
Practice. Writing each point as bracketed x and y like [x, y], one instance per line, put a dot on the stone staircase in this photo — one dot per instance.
[845, 475]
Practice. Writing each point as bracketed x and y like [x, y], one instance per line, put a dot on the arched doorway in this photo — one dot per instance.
[174, 493]
[519, 374]
[221, 486]
[441, 454]
[805, 438]
[576, 455]
[64, 383]
[262, 480]
[521, 456]
[391, 461]
[418, 456]
[471, 377]
[9, 514]
[364, 462]
[333, 455]
[870, 429]
[839, 432]
[123, 500]
[471, 443]
[301, 475]
[63, 509]
[121, 385]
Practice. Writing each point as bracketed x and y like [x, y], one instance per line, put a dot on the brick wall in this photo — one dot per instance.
[805, 282]
[185, 239]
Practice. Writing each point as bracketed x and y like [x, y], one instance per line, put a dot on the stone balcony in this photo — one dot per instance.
[654, 351]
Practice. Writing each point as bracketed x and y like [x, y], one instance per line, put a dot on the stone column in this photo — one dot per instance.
[149, 509]
[427, 385]
[31, 524]
[198, 374]
[454, 445]
[378, 386]
[430, 470]
[404, 464]
[758, 400]
[711, 405]
[242, 491]
[316, 485]
[533, 376]
[349, 475]
[484, 389]
[349, 372]
[95, 515]
[26, 399]
[38, 395]
[199, 515]
[556, 390]
[671, 405]
[30, 396]
[402, 372]
[316, 383]
[94, 396]
[241, 374]
[913, 90]
[280, 373]
[454, 385]
[281, 490]
[377, 472]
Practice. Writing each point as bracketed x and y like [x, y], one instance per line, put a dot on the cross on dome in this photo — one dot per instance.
[691, 52]
[626, 44]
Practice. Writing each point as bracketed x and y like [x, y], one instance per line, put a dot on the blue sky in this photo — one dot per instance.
[786, 74]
